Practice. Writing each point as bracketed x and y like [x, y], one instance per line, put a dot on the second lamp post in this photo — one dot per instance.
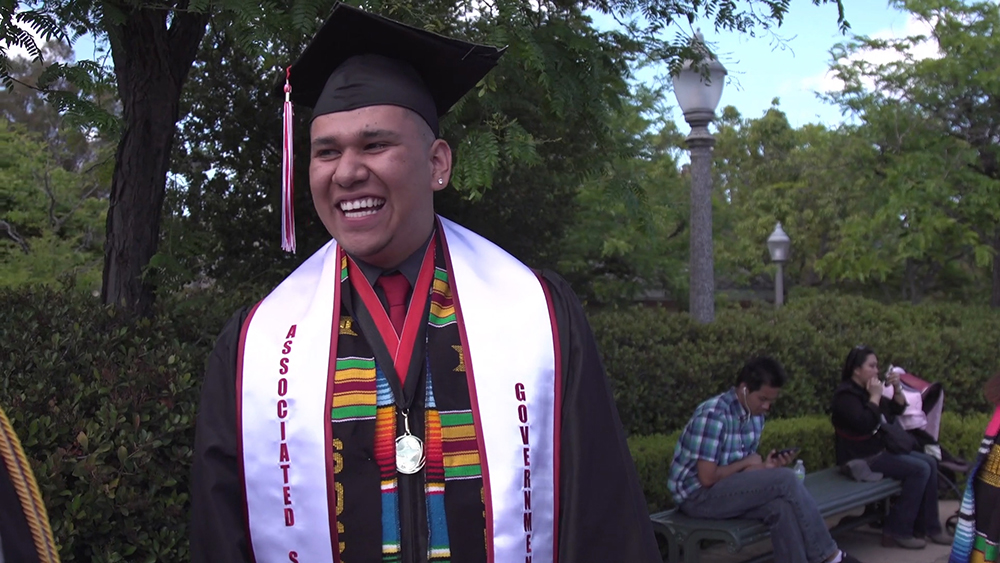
[778, 245]
[698, 95]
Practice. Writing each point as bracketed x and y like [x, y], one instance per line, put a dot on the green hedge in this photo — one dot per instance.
[105, 412]
[662, 364]
[105, 408]
[814, 434]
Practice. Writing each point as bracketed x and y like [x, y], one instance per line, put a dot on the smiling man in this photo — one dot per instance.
[412, 392]
[717, 472]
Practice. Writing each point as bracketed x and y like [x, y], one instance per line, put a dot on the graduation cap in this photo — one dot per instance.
[358, 59]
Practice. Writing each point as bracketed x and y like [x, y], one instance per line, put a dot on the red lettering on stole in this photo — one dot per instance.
[284, 457]
[522, 415]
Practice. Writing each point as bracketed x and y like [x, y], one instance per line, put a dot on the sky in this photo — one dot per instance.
[794, 69]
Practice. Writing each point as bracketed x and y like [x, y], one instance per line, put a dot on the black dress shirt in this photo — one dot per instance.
[410, 268]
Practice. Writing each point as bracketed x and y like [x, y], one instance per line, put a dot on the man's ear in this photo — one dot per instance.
[440, 155]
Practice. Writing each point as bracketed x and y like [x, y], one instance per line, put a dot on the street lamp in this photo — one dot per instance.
[698, 96]
[778, 245]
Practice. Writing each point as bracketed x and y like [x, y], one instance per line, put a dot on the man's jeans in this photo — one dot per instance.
[915, 511]
[780, 500]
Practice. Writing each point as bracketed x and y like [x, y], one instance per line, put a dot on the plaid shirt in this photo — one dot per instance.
[721, 431]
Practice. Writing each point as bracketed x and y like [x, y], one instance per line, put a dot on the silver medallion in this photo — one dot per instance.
[409, 450]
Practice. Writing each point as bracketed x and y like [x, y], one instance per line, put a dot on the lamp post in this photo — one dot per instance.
[698, 96]
[778, 245]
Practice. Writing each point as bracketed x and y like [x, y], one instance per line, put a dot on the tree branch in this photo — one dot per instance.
[59, 222]
[26, 85]
[12, 234]
[47, 188]
[681, 225]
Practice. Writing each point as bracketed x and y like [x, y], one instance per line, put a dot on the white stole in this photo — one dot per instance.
[284, 403]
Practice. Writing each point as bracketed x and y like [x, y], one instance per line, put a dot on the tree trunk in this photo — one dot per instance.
[995, 294]
[152, 61]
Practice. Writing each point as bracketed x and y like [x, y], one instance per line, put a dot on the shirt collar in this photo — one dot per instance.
[410, 267]
[735, 407]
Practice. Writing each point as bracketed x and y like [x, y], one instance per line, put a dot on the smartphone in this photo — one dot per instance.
[793, 450]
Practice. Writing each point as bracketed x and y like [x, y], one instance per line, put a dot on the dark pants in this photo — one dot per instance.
[915, 512]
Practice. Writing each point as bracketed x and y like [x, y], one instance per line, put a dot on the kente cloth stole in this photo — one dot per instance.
[364, 406]
[317, 417]
[972, 544]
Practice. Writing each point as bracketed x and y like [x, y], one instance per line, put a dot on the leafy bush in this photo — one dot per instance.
[105, 407]
[652, 456]
[662, 364]
[105, 411]
[814, 434]
[961, 435]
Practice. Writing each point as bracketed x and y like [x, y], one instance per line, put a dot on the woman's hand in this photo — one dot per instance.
[874, 390]
[893, 379]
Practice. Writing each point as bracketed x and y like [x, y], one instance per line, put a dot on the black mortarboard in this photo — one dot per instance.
[359, 59]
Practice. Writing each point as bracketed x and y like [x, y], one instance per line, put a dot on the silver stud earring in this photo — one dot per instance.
[440, 182]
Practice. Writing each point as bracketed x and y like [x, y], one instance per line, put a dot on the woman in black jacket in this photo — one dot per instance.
[859, 409]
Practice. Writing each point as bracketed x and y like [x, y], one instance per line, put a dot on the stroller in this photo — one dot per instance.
[922, 419]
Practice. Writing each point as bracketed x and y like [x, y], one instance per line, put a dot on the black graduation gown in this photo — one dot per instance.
[17, 544]
[602, 515]
[15, 536]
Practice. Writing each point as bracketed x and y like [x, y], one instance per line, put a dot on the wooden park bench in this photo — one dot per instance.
[834, 492]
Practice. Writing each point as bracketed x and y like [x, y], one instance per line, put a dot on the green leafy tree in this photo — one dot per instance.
[54, 178]
[629, 237]
[154, 44]
[935, 123]
[50, 217]
[814, 180]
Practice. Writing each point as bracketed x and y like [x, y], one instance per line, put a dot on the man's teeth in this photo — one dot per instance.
[353, 214]
[361, 207]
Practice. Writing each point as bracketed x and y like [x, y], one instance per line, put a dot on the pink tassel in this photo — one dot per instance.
[287, 173]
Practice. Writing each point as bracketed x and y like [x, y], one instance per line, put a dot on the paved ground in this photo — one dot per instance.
[865, 543]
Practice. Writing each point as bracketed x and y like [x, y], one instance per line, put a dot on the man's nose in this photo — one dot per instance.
[350, 170]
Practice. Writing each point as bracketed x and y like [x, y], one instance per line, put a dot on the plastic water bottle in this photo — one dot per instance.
[800, 470]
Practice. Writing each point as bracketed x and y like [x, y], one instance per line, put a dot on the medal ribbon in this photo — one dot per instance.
[400, 346]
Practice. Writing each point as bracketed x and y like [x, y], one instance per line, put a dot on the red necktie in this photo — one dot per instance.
[396, 288]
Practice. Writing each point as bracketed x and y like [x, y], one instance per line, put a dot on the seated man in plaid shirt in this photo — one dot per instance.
[717, 472]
